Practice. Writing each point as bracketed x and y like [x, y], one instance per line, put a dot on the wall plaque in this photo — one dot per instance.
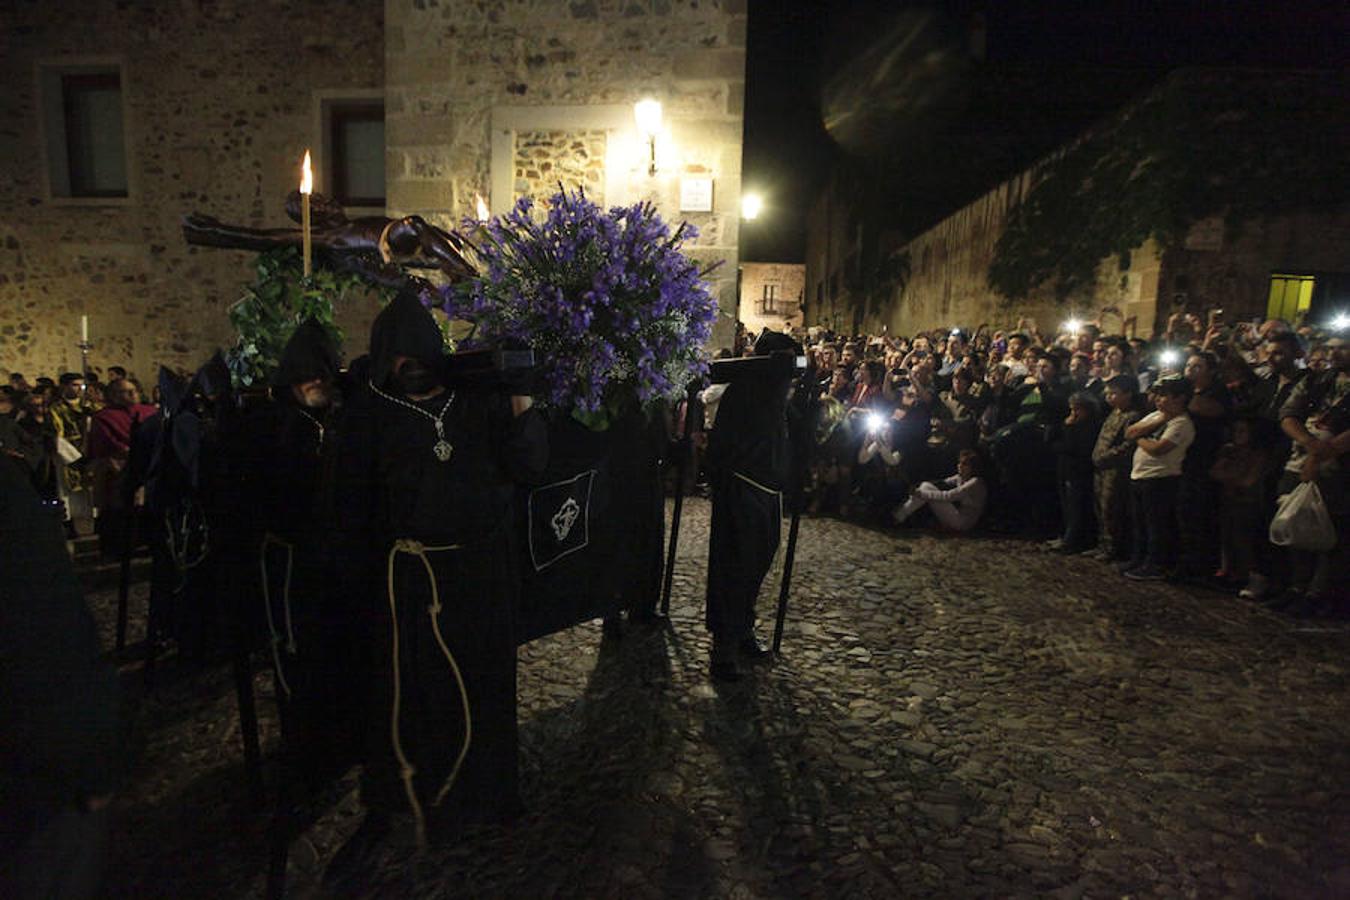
[696, 195]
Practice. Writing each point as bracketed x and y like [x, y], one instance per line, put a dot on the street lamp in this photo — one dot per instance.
[751, 205]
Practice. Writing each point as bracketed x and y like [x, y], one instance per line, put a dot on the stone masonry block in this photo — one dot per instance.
[422, 195]
[736, 32]
[726, 63]
[736, 99]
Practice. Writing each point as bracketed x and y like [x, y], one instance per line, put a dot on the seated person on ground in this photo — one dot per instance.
[957, 501]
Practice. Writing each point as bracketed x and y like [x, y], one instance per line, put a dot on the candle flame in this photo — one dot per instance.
[481, 208]
[306, 176]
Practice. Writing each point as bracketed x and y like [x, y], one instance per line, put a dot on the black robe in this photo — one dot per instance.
[749, 461]
[398, 506]
[310, 631]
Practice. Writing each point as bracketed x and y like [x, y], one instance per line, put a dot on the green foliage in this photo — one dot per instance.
[278, 300]
[1242, 145]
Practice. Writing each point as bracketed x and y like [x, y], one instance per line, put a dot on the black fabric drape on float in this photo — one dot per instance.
[592, 530]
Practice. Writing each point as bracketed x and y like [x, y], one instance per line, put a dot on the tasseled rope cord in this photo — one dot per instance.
[179, 554]
[406, 769]
[269, 539]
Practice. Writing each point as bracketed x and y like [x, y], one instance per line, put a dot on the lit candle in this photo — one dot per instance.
[481, 208]
[84, 329]
[306, 188]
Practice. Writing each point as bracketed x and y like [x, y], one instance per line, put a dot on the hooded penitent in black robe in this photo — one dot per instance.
[748, 461]
[61, 741]
[310, 632]
[439, 589]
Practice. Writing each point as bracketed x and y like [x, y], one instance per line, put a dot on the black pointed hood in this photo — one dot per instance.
[173, 390]
[213, 379]
[310, 353]
[771, 342]
[404, 328]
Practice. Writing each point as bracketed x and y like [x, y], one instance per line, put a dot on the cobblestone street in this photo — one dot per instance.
[951, 717]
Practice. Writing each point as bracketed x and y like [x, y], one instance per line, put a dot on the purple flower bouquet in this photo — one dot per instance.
[615, 312]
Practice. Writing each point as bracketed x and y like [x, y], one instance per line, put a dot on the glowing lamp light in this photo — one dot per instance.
[751, 206]
[481, 208]
[647, 113]
[1340, 322]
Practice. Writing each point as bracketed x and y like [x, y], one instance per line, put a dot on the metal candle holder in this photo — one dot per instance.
[85, 347]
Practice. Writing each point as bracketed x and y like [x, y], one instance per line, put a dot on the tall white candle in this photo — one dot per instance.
[306, 186]
[84, 329]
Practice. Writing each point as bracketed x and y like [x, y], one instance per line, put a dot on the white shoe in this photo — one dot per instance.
[1256, 588]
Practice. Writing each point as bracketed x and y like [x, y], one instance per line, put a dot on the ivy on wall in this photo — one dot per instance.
[277, 301]
[1241, 145]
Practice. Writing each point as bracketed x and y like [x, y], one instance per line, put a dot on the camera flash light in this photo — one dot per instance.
[875, 421]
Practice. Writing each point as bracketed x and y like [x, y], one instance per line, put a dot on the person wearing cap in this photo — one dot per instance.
[1161, 441]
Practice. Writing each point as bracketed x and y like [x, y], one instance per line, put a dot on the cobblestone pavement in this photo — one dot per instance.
[951, 717]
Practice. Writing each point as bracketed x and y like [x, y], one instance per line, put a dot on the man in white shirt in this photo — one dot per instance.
[1161, 441]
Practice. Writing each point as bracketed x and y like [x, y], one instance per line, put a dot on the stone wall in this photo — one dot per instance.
[949, 266]
[467, 84]
[548, 160]
[221, 100]
[1230, 268]
[789, 283]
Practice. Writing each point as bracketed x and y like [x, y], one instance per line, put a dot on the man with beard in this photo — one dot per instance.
[310, 634]
[425, 480]
[749, 460]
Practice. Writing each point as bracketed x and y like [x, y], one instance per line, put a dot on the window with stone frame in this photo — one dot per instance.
[83, 125]
[354, 141]
[768, 301]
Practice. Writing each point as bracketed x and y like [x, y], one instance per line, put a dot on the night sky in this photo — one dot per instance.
[912, 113]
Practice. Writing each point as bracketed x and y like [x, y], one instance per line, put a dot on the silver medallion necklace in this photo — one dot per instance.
[442, 448]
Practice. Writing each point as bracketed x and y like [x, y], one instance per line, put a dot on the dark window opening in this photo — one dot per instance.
[86, 144]
[356, 152]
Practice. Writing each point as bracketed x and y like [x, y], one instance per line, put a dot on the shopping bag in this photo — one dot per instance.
[1302, 522]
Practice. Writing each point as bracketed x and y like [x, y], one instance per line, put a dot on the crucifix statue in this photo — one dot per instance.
[377, 247]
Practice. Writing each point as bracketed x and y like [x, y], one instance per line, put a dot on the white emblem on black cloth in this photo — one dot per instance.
[564, 518]
[559, 519]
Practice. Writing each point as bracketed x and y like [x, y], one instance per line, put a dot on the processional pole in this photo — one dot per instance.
[681, 461]
[801, 448]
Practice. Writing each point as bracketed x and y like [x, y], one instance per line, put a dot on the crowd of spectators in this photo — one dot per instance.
[1166, 457]
[71, 436]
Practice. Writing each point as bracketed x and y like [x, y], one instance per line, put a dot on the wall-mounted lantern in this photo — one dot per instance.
[647, 112]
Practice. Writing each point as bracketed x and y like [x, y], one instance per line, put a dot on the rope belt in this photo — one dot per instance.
[755, 484]
[406, 769]
[775, 574]
[270, 540]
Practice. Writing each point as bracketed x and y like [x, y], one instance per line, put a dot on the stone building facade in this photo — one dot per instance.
[219, 104]
[772, 295]
[499, 99]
